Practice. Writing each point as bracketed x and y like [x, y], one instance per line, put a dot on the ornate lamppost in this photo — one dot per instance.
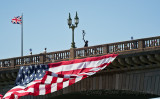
[73, 26]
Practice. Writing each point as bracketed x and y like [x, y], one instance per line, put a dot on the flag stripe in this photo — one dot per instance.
[81, 60]
[82, 65]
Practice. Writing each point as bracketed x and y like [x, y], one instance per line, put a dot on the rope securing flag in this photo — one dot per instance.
[44, 79]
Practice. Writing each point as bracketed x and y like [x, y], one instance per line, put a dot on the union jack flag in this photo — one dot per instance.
[17, 20]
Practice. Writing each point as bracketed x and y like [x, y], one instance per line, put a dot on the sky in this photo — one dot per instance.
[45, 23]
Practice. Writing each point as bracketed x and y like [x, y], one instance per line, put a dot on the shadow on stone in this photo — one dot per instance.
[105, 94]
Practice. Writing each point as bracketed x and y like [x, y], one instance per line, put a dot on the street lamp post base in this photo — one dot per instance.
[73, 45]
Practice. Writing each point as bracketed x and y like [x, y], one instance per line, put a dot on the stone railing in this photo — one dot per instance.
[73, 53]
[57, 56]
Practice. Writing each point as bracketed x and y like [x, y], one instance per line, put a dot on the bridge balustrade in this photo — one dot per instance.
[26, 60]
[89, 51]
[118, 47]
[151, 42]
[55, 56]
[122, 46]
[5, 63]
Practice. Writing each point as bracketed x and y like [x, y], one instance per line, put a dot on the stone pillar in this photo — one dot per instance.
[72, 53]
[13, 62]
[105, 49]
[42, 58]
[141, 44]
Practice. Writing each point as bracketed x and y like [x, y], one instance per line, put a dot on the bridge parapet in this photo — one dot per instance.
[124, 47]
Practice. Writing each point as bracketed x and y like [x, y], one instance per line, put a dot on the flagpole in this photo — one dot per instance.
[22, 36]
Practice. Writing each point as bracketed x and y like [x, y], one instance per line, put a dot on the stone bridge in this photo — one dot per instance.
[137, 68]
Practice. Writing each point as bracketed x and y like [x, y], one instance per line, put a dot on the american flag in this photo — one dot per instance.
[44, 79]
[17, 20]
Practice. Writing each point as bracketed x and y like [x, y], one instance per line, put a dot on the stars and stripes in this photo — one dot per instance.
[17, 20]
[30, 73]
[44, 79]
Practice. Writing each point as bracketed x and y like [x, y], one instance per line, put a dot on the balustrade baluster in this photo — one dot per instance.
[52, 59]
[77, 53]
[68, 54]
[18, 61]
[22, 61]
[101, 50]
[123, 46]
[35, 60]
[92, 51]
[3, 64]
[149, 43]
[62, 56]
[82, 53]
[113, 48]
[153, 41]
[88, 52]
[59, 56]
[98, 50]
[38, 59]
[31, 59]
[0, 63]
[156, 42]
[56, 56]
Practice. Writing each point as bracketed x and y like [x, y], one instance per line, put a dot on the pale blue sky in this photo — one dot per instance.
[45, 23]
